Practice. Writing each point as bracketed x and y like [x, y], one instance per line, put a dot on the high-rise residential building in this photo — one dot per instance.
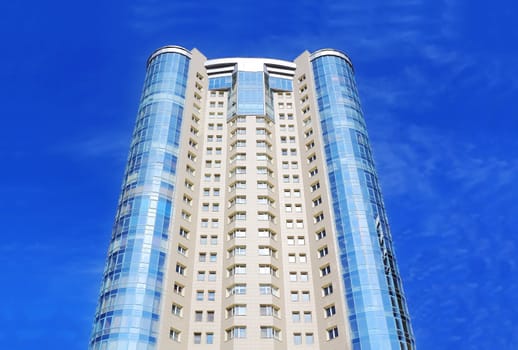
[250, 215]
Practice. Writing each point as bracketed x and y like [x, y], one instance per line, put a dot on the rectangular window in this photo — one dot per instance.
[176, 309]
[197, 338]
[198, 316]
[323, 252]
[330, 310]
[327, 290]
[180, 269]
[174, 335]
[210, 338]
[178, 288]
[332, 333]
[325, 270]
[236, 332]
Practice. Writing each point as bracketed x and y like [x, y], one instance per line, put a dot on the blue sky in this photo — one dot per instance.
[438, 82]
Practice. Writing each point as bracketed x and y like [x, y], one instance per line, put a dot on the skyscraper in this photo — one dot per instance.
[250, 215]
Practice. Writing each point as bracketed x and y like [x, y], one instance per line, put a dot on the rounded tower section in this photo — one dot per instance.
[127, 315]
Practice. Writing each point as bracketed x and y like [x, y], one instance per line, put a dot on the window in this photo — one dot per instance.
[181, 249]
[180, 269]
[330, 310]
[212, 276]
[267, 269]
[210, 338]
[199, 295]
[174, 334]
[332, 333]
[236, 332]
[237, 289]
[301, 240]
[202, 257]
[210, 316]
[213, 257]
[197, 338]
[267, 251]
[304, 277]
[237, 233]
[305, 296]
[319, 217]
[176, 309]
[310, 339]
[303, 258]
[268, 289]
[321, 234]
[237, 250]
[178, 289]
[297, 338]
[291, 258]
[200, 276]
[270, 332]
[295, 316]
[268, 310]
[266, 233]
[308, 317]
[238, 269]
[206, 192]
[211, 295]
[315, 186]
[317, 201]
[327, 290]
[294, 295]
[236, 310]
[313, 172]
[293, 276]
[183, 232]
[323, 252]
[325, 270]
[198, 316]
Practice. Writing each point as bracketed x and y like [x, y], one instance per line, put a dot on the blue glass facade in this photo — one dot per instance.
[220, 83]
[250, 93]
[128, 310]
[281, 84]
[377, 309]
